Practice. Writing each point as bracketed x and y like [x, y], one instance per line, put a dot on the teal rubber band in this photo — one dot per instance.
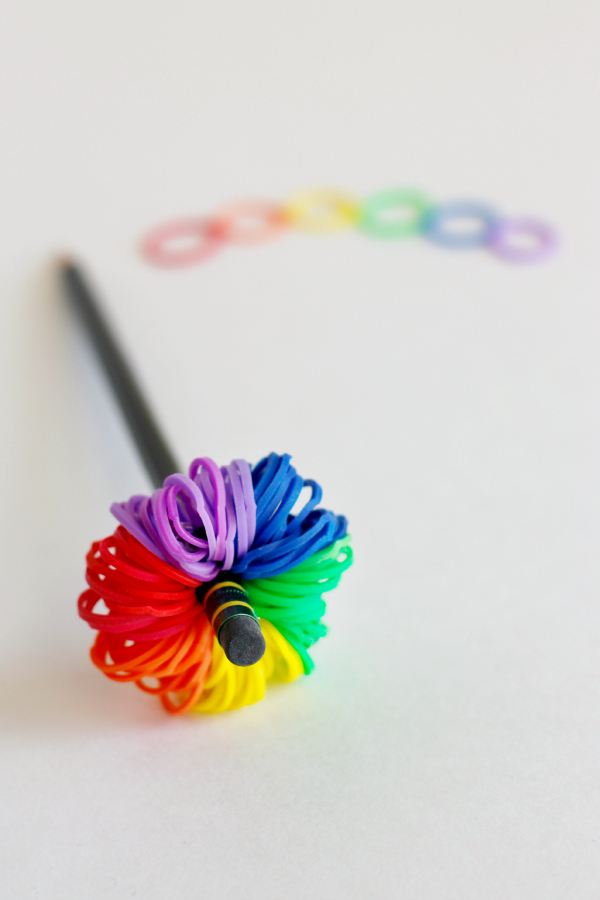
[376, 222]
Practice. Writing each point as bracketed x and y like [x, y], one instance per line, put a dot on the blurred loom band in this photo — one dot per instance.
[384, 215]
[392, 214]
[249, 222]
[142, 593]
[322, 210]
[523, 240]
[183, 242]
[445, 225]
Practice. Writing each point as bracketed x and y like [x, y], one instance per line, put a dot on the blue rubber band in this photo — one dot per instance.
[439, 216]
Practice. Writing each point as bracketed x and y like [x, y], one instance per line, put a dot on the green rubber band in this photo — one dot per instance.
[374, 222]
[293, 602]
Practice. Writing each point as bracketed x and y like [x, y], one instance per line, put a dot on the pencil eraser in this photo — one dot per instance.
[242, 640]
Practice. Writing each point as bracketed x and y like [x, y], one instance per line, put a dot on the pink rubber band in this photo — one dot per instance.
[155, 244]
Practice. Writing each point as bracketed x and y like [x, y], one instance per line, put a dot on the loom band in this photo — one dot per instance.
[175, 497]
[115, 673]
[375, 207]
[319, 522]
[545, 240]
[158, 612]
[291, 617]
[192, 650]
[279, 522]
[148, 519]
[135, 528]
[166, 503]
[268, 501]
[107, 622]
[219, 692]
[124, 569]
[274, 567]
[132, 587]
[269, 215]
[263, 473]
[141, 554]
[275, 526]
[301, 611]
[177, 709]
[162, 514]
[287, 663]
[313, 579]
[190, 696]
[322, 210]
[173, 677]
[306, 662]
[281, 554]
[197, 572]
[245, 688]
[293, 591]
[249, 500]
[155, 244]
[315, 498]
[235, 495]
[218, 486]
[269, 486]
[127, 659]
[133, 602]
[324, 561]
[438, 216]
[232, 527]
[159, 629]
[161, 587]
[297, 599]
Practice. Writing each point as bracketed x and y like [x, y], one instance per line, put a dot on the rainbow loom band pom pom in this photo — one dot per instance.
[225, 533]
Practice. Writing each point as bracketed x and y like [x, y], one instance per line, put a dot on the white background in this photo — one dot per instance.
[447, 746]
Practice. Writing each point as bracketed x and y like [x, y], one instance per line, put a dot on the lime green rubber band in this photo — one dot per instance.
[377, 214]
[293, 602]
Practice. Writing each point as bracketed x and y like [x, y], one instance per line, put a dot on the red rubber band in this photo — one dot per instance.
[267, 222]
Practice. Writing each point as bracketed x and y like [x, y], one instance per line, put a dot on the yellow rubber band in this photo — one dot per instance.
[225, 605]
[321, 210]
[219, 585]
[229, 686]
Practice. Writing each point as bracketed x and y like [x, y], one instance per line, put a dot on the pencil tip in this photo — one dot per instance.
[64, 260]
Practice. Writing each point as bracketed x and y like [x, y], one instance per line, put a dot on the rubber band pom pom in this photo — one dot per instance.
[523, 241]
[249, 222]
[394, 214]
[322, 210]
[148, 583]
[184, 242]
[462, 225]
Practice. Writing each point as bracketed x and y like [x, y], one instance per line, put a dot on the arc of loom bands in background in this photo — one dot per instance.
[325, 210]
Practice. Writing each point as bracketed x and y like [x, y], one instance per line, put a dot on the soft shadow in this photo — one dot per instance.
[59, 701]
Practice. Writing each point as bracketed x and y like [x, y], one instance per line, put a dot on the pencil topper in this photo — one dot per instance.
[211, 586]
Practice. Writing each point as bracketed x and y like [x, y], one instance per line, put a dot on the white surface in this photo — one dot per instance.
[447, 746]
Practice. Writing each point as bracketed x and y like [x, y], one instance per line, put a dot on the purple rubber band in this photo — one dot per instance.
[219, 500]
[545, 244]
